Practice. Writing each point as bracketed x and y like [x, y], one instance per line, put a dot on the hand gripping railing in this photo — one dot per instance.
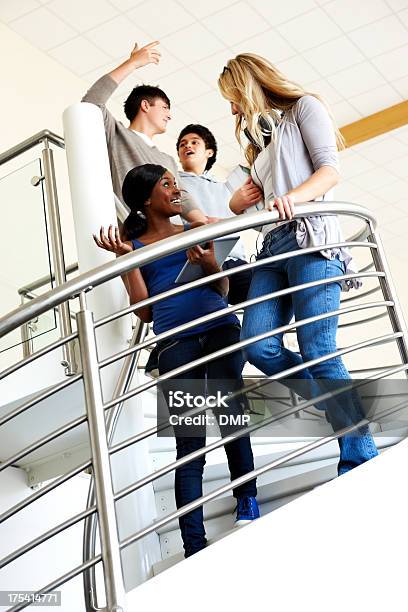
[105, 497]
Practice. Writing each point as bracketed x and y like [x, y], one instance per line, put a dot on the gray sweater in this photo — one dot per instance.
[125, 148]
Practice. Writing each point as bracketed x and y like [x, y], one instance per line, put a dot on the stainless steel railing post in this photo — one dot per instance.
[108, 531]
[89, 542]
[389, 292]
[68, 361]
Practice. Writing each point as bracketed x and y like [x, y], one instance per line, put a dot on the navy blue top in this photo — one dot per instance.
[159, 276]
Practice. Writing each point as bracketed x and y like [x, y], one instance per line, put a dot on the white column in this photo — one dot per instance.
[93, 206]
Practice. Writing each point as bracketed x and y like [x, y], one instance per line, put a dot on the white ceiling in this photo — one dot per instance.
[354, 53]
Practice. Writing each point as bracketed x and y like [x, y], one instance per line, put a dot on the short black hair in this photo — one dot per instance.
[139, 93]
[206, 135]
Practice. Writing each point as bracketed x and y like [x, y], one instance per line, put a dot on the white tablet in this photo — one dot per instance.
[222, 248]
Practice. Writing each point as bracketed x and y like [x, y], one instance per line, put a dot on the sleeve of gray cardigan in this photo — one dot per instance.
[317, 132]
[99, 94]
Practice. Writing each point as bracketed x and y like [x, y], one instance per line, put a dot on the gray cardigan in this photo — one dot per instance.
[305, 142]
[125, 148]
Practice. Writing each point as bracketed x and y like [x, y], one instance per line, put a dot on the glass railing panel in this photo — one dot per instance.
[24, 248]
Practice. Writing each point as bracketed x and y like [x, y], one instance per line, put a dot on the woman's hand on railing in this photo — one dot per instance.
[285, 206]
[112, 241]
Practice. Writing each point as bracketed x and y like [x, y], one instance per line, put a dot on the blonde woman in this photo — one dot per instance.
[292, 151]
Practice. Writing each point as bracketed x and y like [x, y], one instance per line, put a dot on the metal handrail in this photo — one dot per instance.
[260, 383]
[153, 252]
[126, 263]
[239, 345]
[250, 475]
[233, 308]
[31, 142]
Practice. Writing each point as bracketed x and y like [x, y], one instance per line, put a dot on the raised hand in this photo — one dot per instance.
[112, 241]
[148, 54]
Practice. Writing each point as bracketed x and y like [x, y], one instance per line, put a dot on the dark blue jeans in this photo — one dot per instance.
[315, 339]
[188, 478]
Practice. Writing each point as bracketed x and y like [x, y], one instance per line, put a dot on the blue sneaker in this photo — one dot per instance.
[247, 510]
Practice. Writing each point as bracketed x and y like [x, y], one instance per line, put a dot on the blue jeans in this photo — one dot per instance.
[188, 478]
[314, 339]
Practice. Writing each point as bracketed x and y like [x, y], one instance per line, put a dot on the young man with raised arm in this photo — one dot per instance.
[148, 111]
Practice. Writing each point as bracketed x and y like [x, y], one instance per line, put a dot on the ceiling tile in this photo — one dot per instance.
[10, 9]
[277, 12]
[403, 15]
[93, 75]
[268, 44]
[380, 37]
[324, 89]
[357, 79]
[334, 55]
[83, 15]
[203, 9]
[309, 30]
[229, 157]
[344, 113]
[211, 67]
[398, 167]
[396, 193]
[125, 5]
[346, 191]
[385, 151]
[352, 164]
[370, 201]
[402, 87]
[224, 130]
[43, 29]
[160, 18]
[117, 36]
[226, 21]
[394, 64]
[388, 215]
[376, 100]
[79, 55]
[175, 85]
[168, 64]
[349, 17]
[208, 108]
[299, 70]
[179, 120]
[192, 44]
[374, 179]
[397, 5]
[401, 134]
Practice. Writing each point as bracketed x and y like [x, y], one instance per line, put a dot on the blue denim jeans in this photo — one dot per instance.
[188, 478]
[314, 339]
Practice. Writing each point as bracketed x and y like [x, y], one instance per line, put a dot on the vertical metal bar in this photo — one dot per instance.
[26, 337]
[68, 362]
[114, 587]
[389, 292]
[89, 543]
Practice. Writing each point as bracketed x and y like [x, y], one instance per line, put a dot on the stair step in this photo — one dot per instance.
[268, 492]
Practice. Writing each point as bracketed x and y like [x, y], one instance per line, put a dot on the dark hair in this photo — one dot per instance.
[206, 135]
[139, 93]
[137, 188]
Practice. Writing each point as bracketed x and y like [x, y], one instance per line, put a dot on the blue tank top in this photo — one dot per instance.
[159, 276]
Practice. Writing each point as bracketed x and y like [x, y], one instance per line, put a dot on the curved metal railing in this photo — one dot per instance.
[103, 498]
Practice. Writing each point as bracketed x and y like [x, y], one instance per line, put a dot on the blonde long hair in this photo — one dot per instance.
[261, 90]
